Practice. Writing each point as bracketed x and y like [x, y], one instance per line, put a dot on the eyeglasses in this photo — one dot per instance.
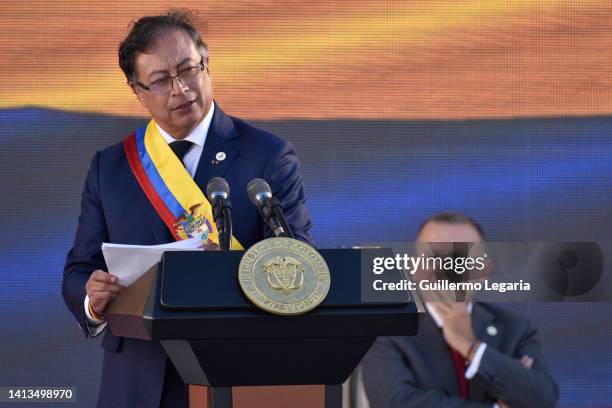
[186, 76]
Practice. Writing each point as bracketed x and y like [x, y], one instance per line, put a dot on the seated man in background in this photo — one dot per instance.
[465, 354]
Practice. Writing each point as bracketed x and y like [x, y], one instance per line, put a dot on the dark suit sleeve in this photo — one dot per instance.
[86, 253]
[505, 378]
[283, 174]
[390, 383]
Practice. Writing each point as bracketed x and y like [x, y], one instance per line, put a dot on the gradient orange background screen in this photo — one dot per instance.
[330, 59]
[500, 109]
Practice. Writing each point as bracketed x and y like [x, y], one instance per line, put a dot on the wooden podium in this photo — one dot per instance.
[235, 355]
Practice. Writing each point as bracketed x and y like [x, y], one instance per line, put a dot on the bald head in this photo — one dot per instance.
[442, 231]
[450, 227]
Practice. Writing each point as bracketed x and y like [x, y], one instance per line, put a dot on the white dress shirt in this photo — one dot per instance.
[197, 137]
[191, 159]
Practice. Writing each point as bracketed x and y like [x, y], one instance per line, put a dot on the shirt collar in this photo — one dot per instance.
[197, 135]
[436, 317]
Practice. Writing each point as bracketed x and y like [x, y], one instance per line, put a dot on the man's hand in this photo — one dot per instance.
[526, 361]
[102, 288]
[210, 246]
[456, 326]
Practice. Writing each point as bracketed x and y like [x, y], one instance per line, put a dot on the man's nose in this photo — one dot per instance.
[180, 87]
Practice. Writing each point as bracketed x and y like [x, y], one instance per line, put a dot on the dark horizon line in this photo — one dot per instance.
[38, 108]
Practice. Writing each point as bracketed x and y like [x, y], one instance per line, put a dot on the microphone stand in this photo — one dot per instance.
[222, 215]
[226, 243]
[277, 211]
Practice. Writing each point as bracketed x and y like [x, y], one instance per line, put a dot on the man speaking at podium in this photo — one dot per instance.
[136, 192]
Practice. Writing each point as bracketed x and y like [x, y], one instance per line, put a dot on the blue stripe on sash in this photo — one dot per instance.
[156, 180]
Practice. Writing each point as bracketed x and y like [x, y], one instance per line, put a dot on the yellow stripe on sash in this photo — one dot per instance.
[179, 181]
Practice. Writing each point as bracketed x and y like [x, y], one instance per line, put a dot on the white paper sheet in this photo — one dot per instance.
[129, 262]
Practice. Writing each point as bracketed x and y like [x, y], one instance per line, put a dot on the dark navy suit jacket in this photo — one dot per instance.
[418, 371]
[115, 209]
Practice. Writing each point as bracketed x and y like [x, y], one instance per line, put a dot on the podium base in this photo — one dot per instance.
[296, 396]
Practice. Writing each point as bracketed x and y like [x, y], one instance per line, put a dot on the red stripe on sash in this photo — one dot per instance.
[131, 151]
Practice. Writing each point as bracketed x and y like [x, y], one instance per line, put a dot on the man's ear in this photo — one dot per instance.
[207, 65]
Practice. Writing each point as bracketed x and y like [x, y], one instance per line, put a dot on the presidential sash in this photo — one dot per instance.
[173, 193]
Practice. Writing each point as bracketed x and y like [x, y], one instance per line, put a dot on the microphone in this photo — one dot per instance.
[217, 192]
[270, 209]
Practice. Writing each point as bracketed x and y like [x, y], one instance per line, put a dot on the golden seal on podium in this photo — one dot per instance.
[284, 276]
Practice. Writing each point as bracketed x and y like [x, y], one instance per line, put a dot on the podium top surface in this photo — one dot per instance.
[208, 280]
[196, 295]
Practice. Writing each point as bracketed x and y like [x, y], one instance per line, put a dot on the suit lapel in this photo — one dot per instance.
[430, 342]
[487, 330]
[220, 140]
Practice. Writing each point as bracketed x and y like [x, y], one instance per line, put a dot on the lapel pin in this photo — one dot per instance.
[491, 330]
[220, 156]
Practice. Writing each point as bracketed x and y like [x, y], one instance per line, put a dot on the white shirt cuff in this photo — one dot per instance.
[94, 326]
[473, 368]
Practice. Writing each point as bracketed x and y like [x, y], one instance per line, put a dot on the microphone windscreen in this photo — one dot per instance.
[258, 188]
[217, 186]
